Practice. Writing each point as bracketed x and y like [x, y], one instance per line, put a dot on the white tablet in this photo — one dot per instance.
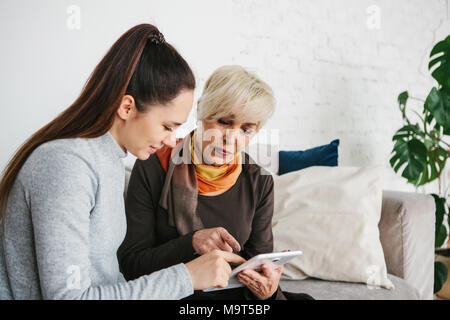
[277, 259]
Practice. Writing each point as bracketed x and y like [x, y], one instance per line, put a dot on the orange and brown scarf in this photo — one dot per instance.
[186, 177]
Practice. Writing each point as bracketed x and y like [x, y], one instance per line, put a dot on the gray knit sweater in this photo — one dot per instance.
[65, 220]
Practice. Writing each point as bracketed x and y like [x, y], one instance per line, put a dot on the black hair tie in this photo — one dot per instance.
[156, 37]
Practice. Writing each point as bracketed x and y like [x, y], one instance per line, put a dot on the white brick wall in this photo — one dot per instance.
[336, 66]
[334, 75]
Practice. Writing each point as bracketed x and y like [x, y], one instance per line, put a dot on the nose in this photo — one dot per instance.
[231, 138]
[170, 140]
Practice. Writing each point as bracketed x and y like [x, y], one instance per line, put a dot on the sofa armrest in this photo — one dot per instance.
[407, 227]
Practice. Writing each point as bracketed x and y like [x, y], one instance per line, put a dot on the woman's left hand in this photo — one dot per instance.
[263, 285]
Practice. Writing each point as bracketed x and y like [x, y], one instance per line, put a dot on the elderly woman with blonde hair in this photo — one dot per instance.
[206, 193]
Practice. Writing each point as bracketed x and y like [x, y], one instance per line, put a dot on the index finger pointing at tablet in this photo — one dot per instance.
[232, 257]
[228, 238]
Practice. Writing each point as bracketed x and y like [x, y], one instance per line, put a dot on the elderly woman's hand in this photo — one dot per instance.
[206, 240]
[263, 285]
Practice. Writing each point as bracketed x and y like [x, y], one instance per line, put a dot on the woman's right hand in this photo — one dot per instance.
[212, 269]
[206, 240]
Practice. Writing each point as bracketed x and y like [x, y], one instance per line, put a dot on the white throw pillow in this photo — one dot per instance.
[332, 215]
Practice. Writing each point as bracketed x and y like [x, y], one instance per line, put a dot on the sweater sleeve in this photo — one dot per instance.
[5, 289]
[140, 253]
[61, 195]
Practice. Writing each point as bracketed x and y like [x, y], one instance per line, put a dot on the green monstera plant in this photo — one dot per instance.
[421, 145]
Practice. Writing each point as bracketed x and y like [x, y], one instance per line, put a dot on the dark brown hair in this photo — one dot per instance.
[140, 63]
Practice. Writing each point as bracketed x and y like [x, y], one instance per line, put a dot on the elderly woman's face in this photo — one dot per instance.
[224, 138]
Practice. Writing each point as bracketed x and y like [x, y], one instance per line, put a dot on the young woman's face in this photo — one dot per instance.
[142, 133]
[223, 139]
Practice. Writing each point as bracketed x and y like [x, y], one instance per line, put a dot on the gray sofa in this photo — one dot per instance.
[407, 236]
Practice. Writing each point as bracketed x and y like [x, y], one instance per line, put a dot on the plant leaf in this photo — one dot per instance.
[406, 131]
[440, 229]
[440, 275]
[429, 143]
[436, 159]
[447, 131]
[412, 152]
[402, 98]
[440, 208]
[442, 72]
[438, 103]
[441, 235]
[429, 117]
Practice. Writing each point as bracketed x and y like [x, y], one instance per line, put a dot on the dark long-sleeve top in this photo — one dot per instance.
[245, 211]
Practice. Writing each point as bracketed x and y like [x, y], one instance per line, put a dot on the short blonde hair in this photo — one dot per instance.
[232, 90]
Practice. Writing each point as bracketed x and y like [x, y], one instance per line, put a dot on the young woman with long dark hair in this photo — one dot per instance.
[61, 194]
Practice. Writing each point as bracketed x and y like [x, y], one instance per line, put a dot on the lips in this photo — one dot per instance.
[222, 152]
[152, 149]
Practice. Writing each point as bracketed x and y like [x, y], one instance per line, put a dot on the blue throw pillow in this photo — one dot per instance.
[326, 155]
